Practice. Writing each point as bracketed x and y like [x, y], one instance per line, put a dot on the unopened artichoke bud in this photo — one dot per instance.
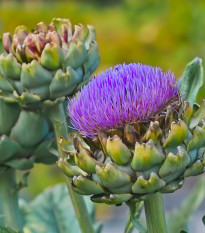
[150, 138]
[25, 138]
[47, 63]
[154, 132]
[118, 151]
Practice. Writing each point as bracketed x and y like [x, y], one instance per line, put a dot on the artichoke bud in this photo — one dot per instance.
[147, 186]
[35, 79]
[6, 86]
[14, 44]
[103, 141]
[64, 28]
[111, 177]
[112, 199]
[168, 118]
[172, 186]
[92, 60]
[36, 43]
[65, 33]
[9, 67]
[154, 132]
[201, 152]
[91, 36]
[117, 150]
[86, 185]
[146, 155]
[177, 134]
[78, 144]
[20, 35]
[79, 33]
[7, 42]
[68, 169]
[23, 30]
[196, 169]
[174, 165]
[85, 161]
[187, 112]
[20, 53]
[198, 115]
[41, 27]
[52, 56]
[76, 55]
[67, 55]
[54, 37]
[29, 54]
[198, 139]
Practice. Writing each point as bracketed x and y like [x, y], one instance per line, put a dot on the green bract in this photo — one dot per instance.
[139, 159]
[25, 138]
[47, 63]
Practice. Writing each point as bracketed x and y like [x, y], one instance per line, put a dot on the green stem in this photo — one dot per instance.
[9, 208]
[155, 215]
[133, 221]
[129, 228]
[58, 118]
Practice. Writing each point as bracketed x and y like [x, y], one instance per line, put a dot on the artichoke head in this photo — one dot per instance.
[47, 63]
[134, 161]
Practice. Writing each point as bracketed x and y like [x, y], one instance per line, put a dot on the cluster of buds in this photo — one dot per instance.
[137, 158]
[48, 62]
[39, 67]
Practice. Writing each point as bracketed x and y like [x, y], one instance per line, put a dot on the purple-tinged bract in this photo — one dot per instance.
[120, 95]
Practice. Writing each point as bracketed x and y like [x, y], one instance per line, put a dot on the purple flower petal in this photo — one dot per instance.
[123, 94]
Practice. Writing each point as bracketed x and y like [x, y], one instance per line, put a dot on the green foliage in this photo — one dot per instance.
[203, 220]
[5, 229]
[52, 212]
[191, 80]
[179, 218]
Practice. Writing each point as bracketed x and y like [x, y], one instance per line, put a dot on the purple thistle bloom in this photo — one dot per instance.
[125, 94]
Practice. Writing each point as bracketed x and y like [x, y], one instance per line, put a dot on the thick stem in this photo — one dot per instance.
[155, 215]
[9, 209]
[57, 116]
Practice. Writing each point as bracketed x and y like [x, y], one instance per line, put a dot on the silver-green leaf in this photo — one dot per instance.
[52, 212]
[191, 80]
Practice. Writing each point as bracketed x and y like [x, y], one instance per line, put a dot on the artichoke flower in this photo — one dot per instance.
[47, 63]
[25, 138]
[136, 136]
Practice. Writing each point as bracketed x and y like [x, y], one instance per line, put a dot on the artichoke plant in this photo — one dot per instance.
[136, 136]
[25, 138]
[47, 63]
[38, 69]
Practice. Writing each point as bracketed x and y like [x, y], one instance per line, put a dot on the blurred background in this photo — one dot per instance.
[166, 33]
